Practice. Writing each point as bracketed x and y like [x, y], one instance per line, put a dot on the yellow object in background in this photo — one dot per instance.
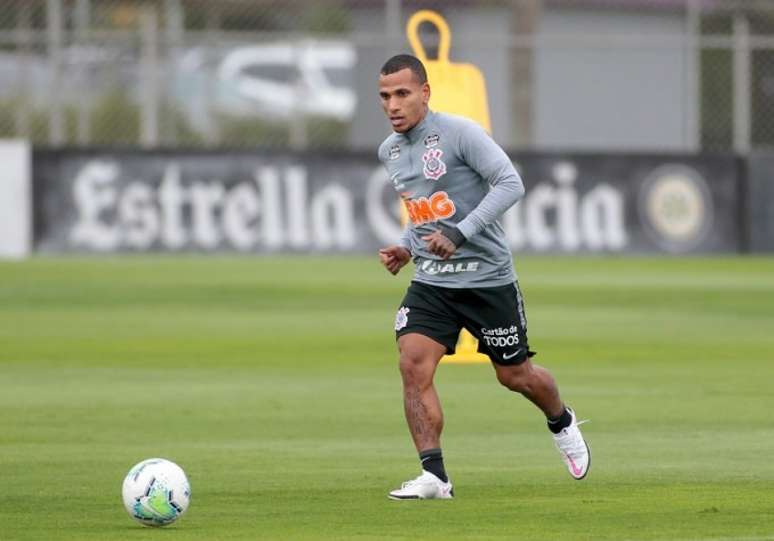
[458, 89]
[467, 351]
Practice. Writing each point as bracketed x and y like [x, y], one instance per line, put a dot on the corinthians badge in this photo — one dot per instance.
[434, 167]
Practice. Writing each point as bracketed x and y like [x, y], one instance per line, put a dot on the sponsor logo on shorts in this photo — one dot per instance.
[401, 318]
[501, 337]
[424, 210]
[434, 166]
[432, 268]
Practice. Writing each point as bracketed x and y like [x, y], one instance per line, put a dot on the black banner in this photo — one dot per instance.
[626, 203]
[268, 202]
[760, 202]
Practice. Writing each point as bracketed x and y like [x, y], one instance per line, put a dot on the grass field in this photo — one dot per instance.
[273, 382]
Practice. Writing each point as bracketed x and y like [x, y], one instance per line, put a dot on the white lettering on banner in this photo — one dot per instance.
[333, 219]
[140, 221]
[565, 174]
[268, 182]
[594, 221]
[295, 183]
[206, 214]
[602, 222]
[240, 212]
[277, 209]
[541, 199]
[172, 198]
[94, 192]
[206, 198]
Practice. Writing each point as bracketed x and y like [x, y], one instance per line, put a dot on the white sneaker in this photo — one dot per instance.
[573, 448]
[425, 487]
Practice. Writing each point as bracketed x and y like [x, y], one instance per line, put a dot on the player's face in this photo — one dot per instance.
[404, 99]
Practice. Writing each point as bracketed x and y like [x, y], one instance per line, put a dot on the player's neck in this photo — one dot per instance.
[417, 128]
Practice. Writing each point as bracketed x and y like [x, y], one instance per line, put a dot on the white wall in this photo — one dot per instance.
[15, 199]
[601, 94]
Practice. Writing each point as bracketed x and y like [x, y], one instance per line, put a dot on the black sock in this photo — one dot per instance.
[557, 424]
[432, 461]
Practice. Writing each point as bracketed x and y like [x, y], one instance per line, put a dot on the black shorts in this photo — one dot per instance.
[494, 315]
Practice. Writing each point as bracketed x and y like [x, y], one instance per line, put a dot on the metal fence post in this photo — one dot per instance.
[298, 132]
[55, 39]
[82, 23]
[22, 121]
[525, 21]
[212, 131]
[392, 26]
[742, 76]
[149, 69]
[174, 32]
[691, 93]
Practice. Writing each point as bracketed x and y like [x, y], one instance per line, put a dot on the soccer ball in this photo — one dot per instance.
[156, 492]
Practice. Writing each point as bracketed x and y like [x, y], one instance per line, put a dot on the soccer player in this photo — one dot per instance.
[455, 182]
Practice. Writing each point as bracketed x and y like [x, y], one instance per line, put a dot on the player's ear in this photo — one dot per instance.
[425, 93]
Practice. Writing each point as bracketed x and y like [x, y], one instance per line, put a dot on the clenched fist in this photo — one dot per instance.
[394, 258]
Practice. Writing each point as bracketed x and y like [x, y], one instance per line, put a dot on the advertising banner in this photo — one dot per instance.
[280, 202]
[626, 203]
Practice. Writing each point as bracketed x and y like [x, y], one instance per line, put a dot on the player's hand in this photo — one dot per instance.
[394, 258]
[439, 244]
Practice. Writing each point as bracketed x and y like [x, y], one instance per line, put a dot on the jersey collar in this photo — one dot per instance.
[418, 131]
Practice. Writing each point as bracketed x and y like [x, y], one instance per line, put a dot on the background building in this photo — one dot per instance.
[641, 75]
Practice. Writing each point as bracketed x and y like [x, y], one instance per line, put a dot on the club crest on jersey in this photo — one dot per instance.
[432, 140]
[394, 152]
[434, 166]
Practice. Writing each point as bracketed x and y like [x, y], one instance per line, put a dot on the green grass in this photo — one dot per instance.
[273, 382]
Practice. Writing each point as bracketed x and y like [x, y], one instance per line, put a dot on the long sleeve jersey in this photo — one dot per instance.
[448, 171]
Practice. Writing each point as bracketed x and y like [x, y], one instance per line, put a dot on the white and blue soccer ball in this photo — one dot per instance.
[156, 492]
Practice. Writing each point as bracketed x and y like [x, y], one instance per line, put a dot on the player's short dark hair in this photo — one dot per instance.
[403, 61]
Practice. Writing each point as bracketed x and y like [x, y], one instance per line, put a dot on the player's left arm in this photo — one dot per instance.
[484, 156]
[490, 161]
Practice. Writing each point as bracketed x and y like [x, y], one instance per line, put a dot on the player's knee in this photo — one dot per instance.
[413, 366]
[410, 363]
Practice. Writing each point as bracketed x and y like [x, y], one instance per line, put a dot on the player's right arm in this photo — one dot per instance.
[395, 257]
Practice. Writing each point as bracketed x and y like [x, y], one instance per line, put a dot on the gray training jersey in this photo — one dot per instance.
[449, 171]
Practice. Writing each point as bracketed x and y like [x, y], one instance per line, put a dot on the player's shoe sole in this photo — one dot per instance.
[415, 497]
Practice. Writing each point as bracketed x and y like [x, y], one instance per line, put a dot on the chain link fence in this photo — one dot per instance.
[580, 74]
